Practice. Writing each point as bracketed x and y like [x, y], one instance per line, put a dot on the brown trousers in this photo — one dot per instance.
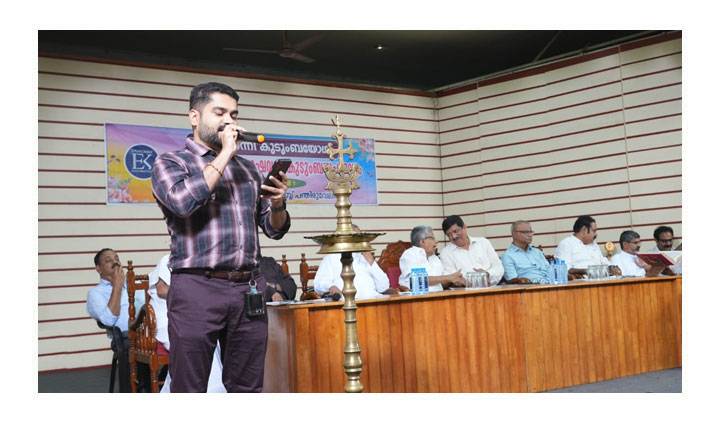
[202, 311]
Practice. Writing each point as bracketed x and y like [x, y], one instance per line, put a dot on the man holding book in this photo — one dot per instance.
[664, 237]
[628, 261]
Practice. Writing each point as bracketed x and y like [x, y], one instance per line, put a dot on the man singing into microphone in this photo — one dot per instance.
[210, 199]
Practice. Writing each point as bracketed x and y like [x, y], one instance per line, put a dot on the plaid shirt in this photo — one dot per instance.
[211, 230]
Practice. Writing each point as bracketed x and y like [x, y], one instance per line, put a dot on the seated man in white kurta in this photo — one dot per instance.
[469, 254]
[422, 255]
[580, 249]
[370, 281]
[159, 284]
[627, 258]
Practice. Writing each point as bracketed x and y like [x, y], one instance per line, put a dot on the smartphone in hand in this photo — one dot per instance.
[278, 165]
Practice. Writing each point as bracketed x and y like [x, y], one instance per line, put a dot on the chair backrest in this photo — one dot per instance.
[115, 335]
[307, 272]
[284, 265]
[389, 260]
[136, 283]
[141, 332]
[547, 257]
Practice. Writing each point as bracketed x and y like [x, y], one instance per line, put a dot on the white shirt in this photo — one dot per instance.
[481, 255]
[416, 257]
[578, 255]
[162, 272]
[370, 281]
[677, 267]
[627, 263]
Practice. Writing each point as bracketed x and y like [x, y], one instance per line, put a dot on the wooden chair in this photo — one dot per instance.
[284, 265]
[389, 262]
[144, 348]
[307, 273]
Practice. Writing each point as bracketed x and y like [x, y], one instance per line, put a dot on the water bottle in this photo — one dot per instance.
[564, 272]
[551, 270]
[415, 282]
[425, 281]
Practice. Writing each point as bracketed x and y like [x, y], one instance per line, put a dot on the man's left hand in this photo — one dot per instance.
[277, 193]
[615, 271]
[276, 297]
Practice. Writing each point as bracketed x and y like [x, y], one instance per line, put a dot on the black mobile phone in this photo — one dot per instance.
[254, 304]
[278, 165]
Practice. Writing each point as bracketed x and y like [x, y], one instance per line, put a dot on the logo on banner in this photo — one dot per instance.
[139, 160]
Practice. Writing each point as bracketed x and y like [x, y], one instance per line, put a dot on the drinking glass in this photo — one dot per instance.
[593, 272]
[604, 273]
[483, 279]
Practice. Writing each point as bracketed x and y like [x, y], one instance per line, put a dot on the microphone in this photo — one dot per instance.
[251, 137]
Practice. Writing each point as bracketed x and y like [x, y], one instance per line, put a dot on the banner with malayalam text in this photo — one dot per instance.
[131, 151]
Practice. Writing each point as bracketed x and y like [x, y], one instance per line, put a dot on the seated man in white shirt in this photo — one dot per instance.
[469, 254]
[159, 285]
[663, 236]
[580, 249]
[370, 281]
[422, 255]
[627, 259]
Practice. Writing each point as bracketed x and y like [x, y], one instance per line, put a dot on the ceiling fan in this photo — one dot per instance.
[288, 49]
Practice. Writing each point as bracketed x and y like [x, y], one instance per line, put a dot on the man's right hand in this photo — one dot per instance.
[457, 279]
[574, 271]
[117, 278]
[229, 138]
[334, 290]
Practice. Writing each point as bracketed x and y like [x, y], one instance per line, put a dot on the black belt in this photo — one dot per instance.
[233, 275]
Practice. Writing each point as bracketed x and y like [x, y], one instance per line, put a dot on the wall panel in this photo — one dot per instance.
[574, 139]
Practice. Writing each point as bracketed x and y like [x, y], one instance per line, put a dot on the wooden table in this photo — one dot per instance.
[518, 338]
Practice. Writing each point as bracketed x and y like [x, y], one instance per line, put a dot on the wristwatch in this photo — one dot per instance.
[279, 209]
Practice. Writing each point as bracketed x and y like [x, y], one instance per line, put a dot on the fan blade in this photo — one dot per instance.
[250, 50]
[299, 57]
[307, 42]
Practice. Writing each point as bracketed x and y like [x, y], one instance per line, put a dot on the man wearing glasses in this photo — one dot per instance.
[422, 255]
[522, 262]
[627, 259]
[664, 237]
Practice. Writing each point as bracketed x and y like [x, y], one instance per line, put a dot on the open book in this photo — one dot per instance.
[666, 257]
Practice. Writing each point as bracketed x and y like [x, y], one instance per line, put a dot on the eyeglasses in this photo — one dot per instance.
[525, 232]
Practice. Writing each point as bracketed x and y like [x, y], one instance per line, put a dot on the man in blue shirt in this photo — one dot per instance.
[522, 262]
[107, 302]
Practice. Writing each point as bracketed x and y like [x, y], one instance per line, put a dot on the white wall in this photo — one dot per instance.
[599, 137]
[76, 99]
